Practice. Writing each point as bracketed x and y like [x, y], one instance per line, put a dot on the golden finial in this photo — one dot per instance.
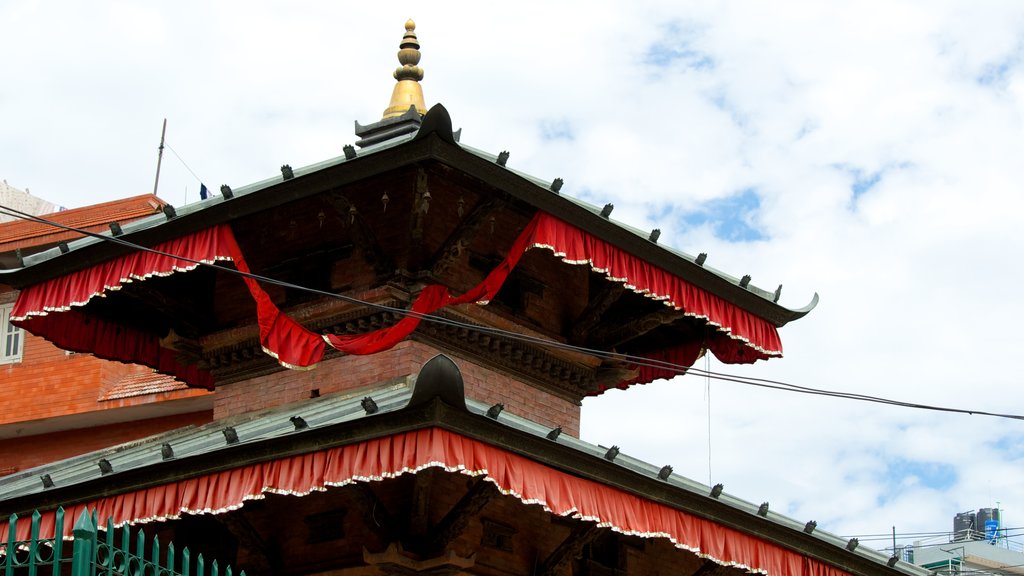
[408, 91]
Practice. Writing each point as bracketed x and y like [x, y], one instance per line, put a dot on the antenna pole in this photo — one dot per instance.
[160, 156]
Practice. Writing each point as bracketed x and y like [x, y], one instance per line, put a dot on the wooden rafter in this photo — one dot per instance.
[457, 519]
[419, 516]
[612, 335]
[708, 568]
[591, 315]
[582, 534]
[363, 238]
[375, 515]
[420, 205]
[263, 561]
[460, 239]
[167, 305]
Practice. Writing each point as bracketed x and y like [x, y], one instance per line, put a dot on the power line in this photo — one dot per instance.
[883, 535]
[183, 163]
[905, 537]
[540, 341]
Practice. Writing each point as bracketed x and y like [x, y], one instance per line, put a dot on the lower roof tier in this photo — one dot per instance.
[362, 448]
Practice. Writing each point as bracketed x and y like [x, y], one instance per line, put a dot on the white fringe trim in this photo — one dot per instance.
[114, 287]
[666, 299]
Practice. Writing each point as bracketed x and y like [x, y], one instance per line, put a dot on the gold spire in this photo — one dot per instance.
[408, 91]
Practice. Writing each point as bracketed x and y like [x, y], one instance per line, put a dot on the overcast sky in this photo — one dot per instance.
[872, 152]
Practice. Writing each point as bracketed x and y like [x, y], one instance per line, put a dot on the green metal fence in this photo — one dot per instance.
[96, 552]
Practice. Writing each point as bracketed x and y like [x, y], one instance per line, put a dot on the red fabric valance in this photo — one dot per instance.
[740, 337]
[374, 460]
[77, 289]
[47, 309]
[575, 246]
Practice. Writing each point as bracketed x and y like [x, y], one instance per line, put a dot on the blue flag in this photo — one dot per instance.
[203, 192]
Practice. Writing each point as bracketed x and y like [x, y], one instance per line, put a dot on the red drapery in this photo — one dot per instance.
[572, 245]
[531, 482]
[740, 337]
[47, 309]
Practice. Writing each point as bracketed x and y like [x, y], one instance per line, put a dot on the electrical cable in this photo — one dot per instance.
[886, 535]
[540, 341]
[1009, 532]
[183, 163]
[707, 394]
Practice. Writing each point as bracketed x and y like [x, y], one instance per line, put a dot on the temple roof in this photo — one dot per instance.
[432, 400]
[434, 140]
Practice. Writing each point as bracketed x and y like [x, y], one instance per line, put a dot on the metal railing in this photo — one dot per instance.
[96, 552]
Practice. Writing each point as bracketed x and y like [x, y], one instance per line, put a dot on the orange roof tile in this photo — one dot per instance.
[96, 218]
[142, 384]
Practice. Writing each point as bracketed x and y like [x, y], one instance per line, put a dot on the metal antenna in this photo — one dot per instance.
[160, 157]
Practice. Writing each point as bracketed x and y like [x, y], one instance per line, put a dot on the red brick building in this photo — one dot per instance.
[399, 340]
[50, 392]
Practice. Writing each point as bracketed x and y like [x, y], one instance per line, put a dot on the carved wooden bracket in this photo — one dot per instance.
[582, 534]
[394, 560]
[611, 335]
[461, 238]
[363, 238]
[457, 519]
[596, 307]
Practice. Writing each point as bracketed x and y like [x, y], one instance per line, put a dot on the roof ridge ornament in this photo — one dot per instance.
[407, 92]
[440, 378]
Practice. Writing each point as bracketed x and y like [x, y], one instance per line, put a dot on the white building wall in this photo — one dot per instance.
[22, 201]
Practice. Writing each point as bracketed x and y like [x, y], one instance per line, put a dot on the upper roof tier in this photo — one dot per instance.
[435, 140]
[363, 236]
[342, 251]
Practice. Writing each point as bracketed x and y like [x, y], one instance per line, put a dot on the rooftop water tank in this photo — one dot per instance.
[964, 524]
[988, 522]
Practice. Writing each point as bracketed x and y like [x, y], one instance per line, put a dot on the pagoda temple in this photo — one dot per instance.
[398, 340]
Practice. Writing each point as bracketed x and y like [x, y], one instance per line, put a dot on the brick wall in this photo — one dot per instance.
[351, 372]
[48, 382]
[25, 452]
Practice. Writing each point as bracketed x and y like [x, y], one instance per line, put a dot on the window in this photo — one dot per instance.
[12, 338]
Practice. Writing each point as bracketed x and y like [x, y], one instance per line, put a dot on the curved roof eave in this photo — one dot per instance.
[434, 140]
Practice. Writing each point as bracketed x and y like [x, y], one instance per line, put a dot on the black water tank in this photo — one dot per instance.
[964, 524]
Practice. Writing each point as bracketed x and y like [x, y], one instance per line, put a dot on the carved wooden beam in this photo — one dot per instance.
[591, 315]
[460, 238]
[167, 305]
[611, 335]
[362, 236]
[375, 515]
[395, 561]
[419, 516]
[582, 534]
[567, 379]
[457, 519]
[708, 568]
[420, 205]
[262, 560]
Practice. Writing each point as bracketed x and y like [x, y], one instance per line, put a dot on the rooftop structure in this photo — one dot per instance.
[28, 236]
[978, 544]
[23, 201]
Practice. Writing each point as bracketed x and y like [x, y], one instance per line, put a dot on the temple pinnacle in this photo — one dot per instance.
[408, 91]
